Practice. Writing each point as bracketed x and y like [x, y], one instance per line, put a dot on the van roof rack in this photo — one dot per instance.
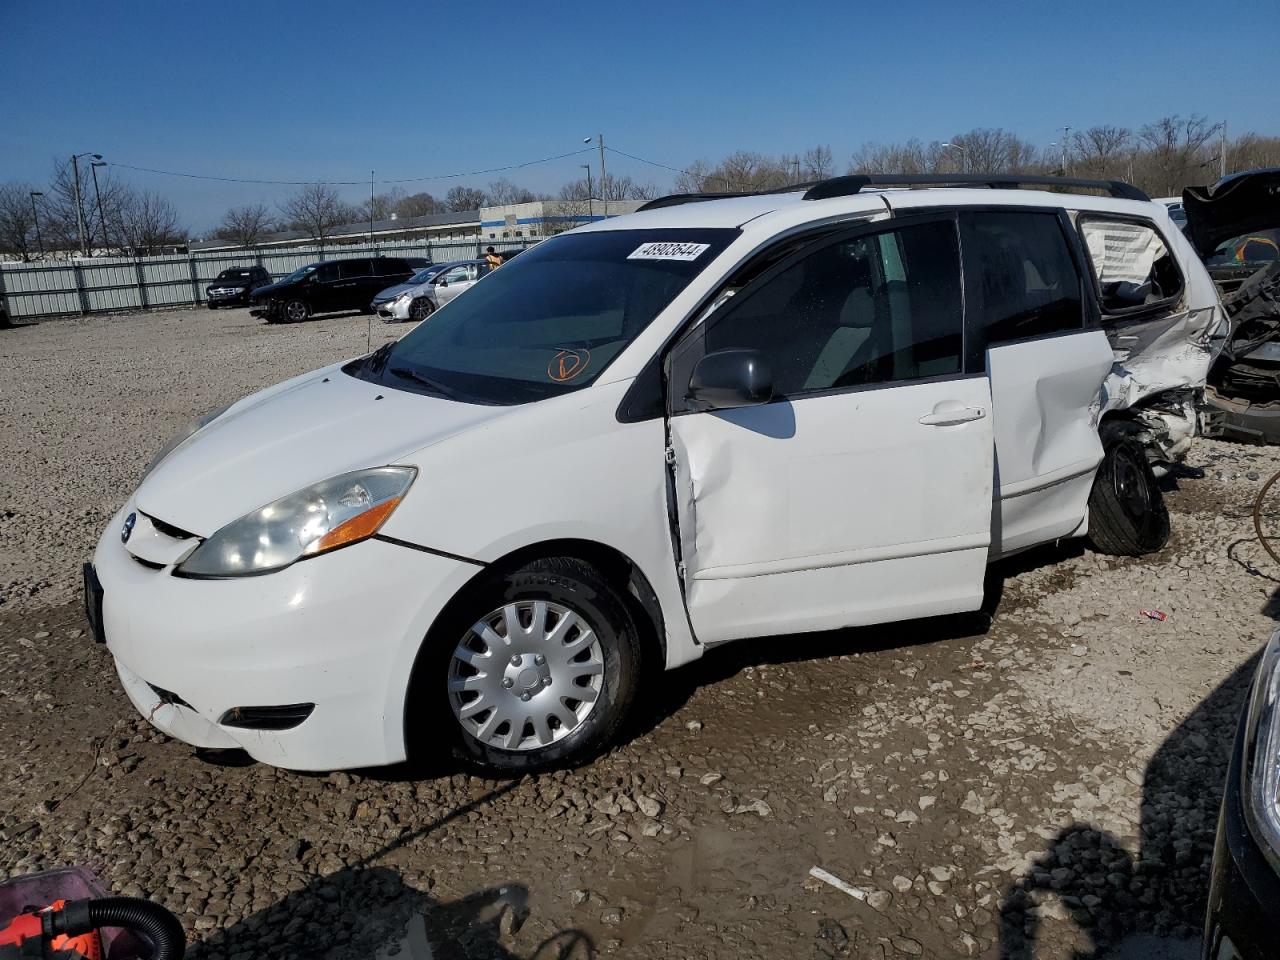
[855, 183]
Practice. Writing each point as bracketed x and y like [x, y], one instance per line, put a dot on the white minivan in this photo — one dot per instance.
[713, 419]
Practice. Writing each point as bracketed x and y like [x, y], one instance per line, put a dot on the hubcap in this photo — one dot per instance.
[525, 675]
[296, 311]
[419, 309]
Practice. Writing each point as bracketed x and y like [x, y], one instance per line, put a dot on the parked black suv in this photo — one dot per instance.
[328, 287]
[232, 287]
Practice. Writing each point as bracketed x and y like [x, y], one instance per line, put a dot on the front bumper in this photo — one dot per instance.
[339, 631]
[228, 299]
[392, 309]
[267, 309]
[1244, 889]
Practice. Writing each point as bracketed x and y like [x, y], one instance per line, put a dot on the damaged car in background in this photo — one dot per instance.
[1235, 227]
[713, 419]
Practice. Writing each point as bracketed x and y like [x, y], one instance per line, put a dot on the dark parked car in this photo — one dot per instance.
[418, 263]
[233, 287]
[1245, 887]
[1235, 227]
[329, 287]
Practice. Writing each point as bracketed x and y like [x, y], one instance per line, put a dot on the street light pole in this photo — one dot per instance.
[1066, 135]
[964, 156]
[591, 207]
[97, 194]
[75, 173]
[35, 215]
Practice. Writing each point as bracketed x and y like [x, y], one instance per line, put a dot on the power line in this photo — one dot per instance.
[654, 163]
[347, 183]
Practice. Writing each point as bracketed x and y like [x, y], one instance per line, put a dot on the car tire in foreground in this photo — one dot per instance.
[1127, 513]
[534, 668]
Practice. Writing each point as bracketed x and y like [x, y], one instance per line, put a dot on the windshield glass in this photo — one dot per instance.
[299, 273]
[548, 322]
[1261, 247]
[234, 275]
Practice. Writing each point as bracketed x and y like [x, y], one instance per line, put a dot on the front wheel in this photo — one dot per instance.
[420, 309]
[536, 667]
[295, 311]
[1127, 513]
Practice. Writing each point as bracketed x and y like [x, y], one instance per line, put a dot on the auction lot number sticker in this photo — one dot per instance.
[669, 251]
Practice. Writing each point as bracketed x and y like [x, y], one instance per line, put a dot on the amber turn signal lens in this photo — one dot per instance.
[357, 528]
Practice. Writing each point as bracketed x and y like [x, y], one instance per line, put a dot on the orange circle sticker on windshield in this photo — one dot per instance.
[567, 364]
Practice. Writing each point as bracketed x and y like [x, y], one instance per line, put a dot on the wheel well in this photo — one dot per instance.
[620, 571]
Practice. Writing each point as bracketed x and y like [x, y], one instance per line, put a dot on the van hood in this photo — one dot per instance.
[271, 289]
[1234, 206]
[291, 436]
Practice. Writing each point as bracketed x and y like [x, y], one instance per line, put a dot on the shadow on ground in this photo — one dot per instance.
[1152, 902]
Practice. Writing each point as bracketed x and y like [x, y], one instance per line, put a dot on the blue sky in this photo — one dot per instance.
[319, 90]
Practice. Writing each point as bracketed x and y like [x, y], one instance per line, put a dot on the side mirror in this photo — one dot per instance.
[442, 282]
[735, 377]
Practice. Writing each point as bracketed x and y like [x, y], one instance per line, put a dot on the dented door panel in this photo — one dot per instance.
[834, 510]
[1046, 398]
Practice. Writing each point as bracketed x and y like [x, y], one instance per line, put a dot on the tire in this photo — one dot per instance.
[295, 311]
[212, 305]
[1127, 513]
[557, 723]
[420, 309]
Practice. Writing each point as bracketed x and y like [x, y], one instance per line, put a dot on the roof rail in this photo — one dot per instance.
[675, 199]
[854, 183]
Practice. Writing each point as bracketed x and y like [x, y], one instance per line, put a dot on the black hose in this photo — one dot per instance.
[151, 920]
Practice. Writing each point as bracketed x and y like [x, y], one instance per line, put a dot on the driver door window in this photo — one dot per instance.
[873, 309]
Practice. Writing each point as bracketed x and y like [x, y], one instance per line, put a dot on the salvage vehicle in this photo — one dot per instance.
[232, 287]
[328, 287]
[409, 300]
[1235, 227]
[713, 419]
[1245, 882]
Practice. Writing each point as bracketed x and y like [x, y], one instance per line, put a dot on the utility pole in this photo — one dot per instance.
[375, 249]
[604, 182]
[35, 215]
[75, 173]
[1222, 149]
[97, 194]
[1066, 134]
[591, 206]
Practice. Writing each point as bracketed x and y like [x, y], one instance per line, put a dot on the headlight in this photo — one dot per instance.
[182, 436]
[331, 514]
[404, 297]
[1260, 771]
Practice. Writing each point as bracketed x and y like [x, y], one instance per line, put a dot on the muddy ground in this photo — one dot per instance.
[1041, 784]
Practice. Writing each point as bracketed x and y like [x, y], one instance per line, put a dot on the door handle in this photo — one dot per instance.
[949, 412]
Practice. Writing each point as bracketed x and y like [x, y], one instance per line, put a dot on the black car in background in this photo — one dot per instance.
[232, 287]
[330, 286]
[1244, 891]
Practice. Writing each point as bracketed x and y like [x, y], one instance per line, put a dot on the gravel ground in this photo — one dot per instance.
[1043, 783]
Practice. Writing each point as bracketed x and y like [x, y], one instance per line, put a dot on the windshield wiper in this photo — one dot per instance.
[435, 387]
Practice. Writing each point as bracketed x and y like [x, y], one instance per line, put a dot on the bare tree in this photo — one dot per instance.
[147, 222]
[464, 198]
[419, 205]
[1101, 151]
[382, 205]
[316, 209]
[245, 226]
[1174, 153]
[818, 164]
[1251, 150]
[503, 191]
[17, 220]
[58, 225]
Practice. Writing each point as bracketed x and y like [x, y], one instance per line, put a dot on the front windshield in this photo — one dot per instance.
[299, 273]
[234, 275]
[550, 321]
[1260, 247]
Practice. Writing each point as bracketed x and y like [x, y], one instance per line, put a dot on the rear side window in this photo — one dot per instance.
[1132, 264]
[1022, 279]
[874, 308]
[355, 268]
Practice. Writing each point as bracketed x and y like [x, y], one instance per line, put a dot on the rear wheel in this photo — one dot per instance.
[212, 305]
[295, 311]
[1127, 514]
[536, 667]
